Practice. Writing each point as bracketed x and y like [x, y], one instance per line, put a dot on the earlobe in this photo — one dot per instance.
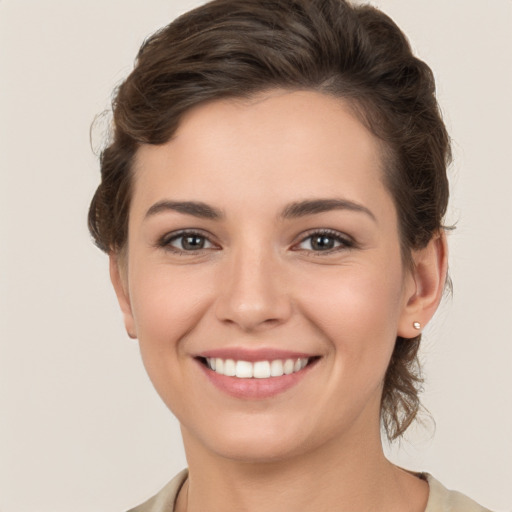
[120, 284]
[426, 286]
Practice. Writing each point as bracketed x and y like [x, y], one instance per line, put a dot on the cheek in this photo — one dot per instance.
[357, 311]
[166, 305]
[351, 294]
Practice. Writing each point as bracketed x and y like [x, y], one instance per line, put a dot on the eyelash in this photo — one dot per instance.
[344, 242]
[166, 240]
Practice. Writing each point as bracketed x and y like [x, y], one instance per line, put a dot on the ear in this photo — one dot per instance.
[424, 286]
[119, 281]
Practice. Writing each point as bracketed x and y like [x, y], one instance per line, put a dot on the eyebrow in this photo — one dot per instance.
[314, 206]
[195, 208]
[292, 211]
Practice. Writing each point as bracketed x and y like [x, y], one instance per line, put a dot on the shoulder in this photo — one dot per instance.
[165, 499]
[443, 500]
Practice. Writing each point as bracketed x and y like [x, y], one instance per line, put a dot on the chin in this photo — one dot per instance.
[263, 450]
[251, 440]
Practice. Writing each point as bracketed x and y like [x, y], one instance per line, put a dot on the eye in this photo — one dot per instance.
[324, 241]
[186, 242]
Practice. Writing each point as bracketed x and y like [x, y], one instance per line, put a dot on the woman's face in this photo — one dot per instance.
[262, 233]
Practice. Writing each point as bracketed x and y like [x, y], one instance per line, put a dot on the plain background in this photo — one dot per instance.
[81, 428]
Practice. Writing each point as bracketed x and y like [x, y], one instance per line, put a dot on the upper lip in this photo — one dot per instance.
[253, 355]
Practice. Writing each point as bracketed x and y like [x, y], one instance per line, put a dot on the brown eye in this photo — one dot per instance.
[186, 242]
[192, 242]
[324, 241]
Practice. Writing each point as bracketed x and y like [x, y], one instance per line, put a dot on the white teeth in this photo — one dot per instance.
[257, 370]
[288, 366]
[276, 368]
[261, 370]
[243, 370]
[229, 368]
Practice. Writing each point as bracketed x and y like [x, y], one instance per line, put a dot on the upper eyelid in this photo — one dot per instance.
[330, 232]
[167, 238]
[188, 231]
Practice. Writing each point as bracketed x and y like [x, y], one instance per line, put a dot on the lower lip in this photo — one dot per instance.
[255, 389]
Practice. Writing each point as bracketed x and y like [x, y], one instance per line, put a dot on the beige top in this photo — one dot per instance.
[440, 499]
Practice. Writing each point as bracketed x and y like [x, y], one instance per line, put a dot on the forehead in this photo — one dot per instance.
[272, 146]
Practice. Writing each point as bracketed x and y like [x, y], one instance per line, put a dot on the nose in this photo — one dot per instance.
[253, 293]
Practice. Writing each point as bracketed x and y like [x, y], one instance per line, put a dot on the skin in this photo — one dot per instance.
[258, 282]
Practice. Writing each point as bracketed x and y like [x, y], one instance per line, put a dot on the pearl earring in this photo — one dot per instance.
[416, 325]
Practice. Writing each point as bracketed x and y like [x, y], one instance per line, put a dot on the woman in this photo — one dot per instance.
[272, 204]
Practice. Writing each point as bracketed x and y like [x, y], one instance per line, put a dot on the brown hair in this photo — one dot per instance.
[237, 48]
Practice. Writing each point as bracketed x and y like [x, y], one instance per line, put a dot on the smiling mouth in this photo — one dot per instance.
[256, 370]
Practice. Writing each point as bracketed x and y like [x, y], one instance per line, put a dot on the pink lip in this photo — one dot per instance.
[253, 355]
[254, 389]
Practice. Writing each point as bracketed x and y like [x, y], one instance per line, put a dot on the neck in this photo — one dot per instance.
[353, 476]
